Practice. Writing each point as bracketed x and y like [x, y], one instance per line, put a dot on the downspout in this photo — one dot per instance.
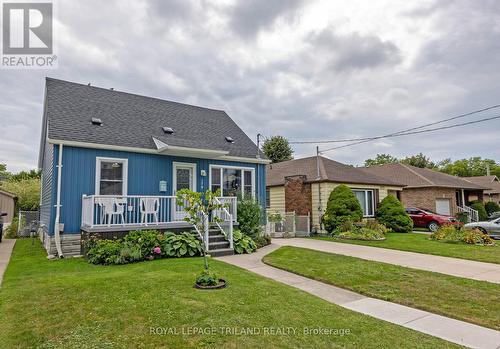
[320, 207]
[57, 235]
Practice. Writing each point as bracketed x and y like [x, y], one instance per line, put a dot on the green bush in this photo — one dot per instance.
[392, 214]
[146, 240]
[458, 234]
[261, 241]
[373, 224]
[181, 245]
[362, 234]
[342, 206]
[207, 278]
[11, 230]
[491, 207]
[243, 243]
[105, 252]
[479, 207]
[249, 217]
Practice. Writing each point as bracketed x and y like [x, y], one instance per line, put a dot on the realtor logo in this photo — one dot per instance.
[27, 28]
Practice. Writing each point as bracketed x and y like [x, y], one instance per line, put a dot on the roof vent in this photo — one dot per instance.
[96, 121]
[229, 139]
[168, 130]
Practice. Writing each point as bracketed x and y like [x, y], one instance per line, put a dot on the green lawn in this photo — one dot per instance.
[414, 242]
[469, 300]
[72, 304]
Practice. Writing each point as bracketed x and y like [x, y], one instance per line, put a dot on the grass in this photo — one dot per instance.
[72, 304]
[464, 299]
[420, 243]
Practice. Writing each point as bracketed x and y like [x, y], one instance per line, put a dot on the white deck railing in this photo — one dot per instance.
[473, 215]
[225, 219]
[137, 210]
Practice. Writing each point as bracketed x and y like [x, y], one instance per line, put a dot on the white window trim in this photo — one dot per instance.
[242, 168]
[98, 161]
[366, 200]
[176, 165]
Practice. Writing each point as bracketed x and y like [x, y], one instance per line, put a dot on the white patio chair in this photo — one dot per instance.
[111, 208]
[149, 206]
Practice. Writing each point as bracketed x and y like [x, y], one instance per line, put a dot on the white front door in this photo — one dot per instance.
[443, 206]
[184, 177]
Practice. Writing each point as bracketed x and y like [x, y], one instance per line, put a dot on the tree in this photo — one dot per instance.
[475, 166]
[4, 174]
[26, 175]
[491, 207]
[249, 217]
[479, 207]
[381, 159]
[392, 214]
[277, 149]
[342, 206]
[419, 160]
[27, 192]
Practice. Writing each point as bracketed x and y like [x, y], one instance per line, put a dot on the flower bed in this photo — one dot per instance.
[458, 234]
[369, 231]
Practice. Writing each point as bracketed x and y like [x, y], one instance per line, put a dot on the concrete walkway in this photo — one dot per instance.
[444, 265]
[6, 247]
[456, 331]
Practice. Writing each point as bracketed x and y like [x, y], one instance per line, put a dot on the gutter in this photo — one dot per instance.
[57, 236]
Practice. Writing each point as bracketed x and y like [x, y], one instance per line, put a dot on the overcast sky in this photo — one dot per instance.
[307, 70]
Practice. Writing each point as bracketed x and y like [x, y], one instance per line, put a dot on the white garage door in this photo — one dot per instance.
[443, 206]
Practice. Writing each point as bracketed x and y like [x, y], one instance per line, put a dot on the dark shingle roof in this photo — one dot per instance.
[490, 182]
[413, 176]
[130, 120]
[330, 170]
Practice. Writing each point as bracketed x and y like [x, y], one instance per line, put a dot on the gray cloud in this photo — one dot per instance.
[334, 83]
[247, 18]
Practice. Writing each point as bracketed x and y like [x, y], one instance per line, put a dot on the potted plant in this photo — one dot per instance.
[199, 208]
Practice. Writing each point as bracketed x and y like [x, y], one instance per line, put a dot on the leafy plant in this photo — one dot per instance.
[129, 253]
[373, 224]
[392, 214]
[479, 207]
[11, 230]
[342, 206]
[491, 207]
[454, 234]
[477, 237]
[463, 217]
[243, 243]
[105, 252]
[275, 217]
[249, 217]
[146, 240]
[207, 278]
[362, 234]
[181, 245]
[261, 241]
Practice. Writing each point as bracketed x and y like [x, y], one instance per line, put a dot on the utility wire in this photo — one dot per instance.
[395, 133]
[405, 133]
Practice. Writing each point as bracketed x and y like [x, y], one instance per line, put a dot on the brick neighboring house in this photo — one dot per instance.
[491, 182]
[428, 189]
[304, 185]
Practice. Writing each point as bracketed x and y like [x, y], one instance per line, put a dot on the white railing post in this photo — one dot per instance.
[206, 225]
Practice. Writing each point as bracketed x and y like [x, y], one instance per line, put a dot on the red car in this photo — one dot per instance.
[428, 219]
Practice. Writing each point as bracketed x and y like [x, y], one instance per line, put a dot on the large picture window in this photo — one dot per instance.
[111, 176]
[232, 181]
[366, 200]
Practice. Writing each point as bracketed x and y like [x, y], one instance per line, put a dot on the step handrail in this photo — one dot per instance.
[228, 217]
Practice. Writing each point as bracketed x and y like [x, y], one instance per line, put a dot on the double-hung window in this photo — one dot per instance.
[232, 181]
[111, 176]
[366, 200]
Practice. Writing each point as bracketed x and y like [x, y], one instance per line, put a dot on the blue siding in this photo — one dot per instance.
[47, 188]
[145, 171]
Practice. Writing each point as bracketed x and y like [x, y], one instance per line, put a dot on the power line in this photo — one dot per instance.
[400, 134]
[395, 133]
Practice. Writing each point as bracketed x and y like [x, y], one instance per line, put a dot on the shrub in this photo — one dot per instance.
[454, 234]
[11, 230]
[105, 252]
[392, 214]
[129, 253]
[375, 225]
[479, 207]
[463, 217]
[491, 207]
[261, 241]
[362, 234]
[342, 206]
[146, 240]
[249, 217]
[181, 245]
[243, 243]
[207, 278]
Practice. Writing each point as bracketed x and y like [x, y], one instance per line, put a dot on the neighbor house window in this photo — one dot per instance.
[232, 181]
[111, 176]
[366, 200]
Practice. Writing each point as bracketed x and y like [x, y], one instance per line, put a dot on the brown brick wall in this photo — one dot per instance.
[426, 198]
[297, 195]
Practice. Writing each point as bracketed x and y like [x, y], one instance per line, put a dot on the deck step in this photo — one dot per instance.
[217, 245]
[221, 252]
[216, 238]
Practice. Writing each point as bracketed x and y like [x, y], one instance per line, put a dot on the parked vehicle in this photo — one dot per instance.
[427, 219]
[491, 227]
[2, 214]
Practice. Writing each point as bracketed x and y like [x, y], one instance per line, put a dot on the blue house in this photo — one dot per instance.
[112, 162]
